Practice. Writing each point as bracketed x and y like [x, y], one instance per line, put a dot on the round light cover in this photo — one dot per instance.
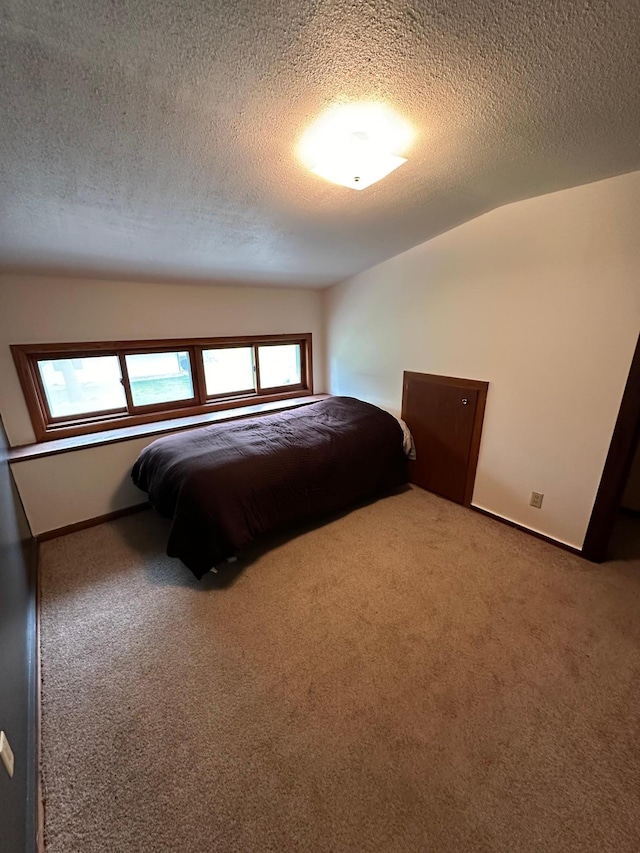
[355, 145]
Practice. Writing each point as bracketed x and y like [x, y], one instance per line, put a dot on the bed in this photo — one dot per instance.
[227, 484]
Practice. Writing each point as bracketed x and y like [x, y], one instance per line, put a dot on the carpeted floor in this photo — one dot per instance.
[410, 677]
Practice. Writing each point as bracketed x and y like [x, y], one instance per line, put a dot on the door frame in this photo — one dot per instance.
[624, 441]
[413, 378]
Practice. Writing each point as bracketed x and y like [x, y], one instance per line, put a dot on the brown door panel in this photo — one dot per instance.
[443, 415]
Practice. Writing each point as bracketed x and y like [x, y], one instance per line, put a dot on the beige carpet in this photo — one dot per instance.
[410, 677]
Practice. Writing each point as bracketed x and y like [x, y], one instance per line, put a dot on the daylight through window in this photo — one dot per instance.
[77, 388]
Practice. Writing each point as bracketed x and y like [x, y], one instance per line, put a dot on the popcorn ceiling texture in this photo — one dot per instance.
[158, 138]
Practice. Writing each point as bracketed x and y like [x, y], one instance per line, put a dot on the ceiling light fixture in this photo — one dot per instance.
[355, 145]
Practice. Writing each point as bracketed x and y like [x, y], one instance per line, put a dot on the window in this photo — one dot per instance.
[229, 371]
[82, 386]
[159, 377]
[73, 389]
[279, 365]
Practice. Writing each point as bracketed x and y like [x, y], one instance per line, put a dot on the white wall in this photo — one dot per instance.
[542, 299]
[71, 487]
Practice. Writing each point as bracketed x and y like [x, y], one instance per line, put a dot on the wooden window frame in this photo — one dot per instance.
[46, 427]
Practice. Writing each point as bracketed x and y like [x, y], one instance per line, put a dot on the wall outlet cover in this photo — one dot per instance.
[536, 500]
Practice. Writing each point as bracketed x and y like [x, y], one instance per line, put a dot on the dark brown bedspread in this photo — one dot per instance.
[225, 484]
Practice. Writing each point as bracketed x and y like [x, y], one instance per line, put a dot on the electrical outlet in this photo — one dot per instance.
[536, 500]
[6, 753]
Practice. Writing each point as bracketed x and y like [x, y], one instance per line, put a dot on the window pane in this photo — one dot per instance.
[77, 386]
[279, 365]
[228, 371]
[159, 377]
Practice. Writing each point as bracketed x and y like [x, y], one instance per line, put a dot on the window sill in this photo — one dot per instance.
[95, 439]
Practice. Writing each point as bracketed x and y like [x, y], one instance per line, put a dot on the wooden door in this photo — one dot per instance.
[445, 416]
[624, 441]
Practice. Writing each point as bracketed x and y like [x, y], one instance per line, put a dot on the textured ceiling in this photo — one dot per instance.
[156, 138]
